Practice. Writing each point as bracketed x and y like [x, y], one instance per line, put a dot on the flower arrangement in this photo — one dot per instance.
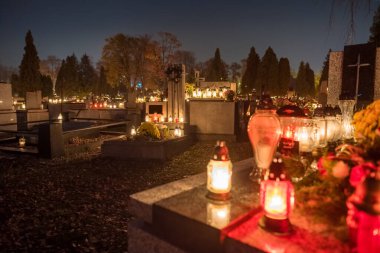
[149, 130]
[367, 126]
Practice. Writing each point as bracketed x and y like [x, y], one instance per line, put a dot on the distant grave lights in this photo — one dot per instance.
[170, 118]
[22, 142]
[277, 200]
[181, 120]
[162, 118]
[219, 172]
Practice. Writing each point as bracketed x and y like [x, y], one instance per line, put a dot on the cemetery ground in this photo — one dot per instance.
[79, 203]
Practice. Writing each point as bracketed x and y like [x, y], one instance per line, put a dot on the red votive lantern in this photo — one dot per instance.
[289, 116]
[364, 214]
[219, 172]
[277, 200]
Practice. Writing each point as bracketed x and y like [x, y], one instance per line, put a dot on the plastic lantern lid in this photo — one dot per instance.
[276, 170]
[290, 111]
[266, 103]
[220, 152]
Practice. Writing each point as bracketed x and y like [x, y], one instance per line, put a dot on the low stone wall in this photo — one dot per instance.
[141, 150]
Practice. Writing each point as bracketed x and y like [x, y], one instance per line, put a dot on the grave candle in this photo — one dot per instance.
[147, 118]
[277, 199]
[219, 171]
[21, 142]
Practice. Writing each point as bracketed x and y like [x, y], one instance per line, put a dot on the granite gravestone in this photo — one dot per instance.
[354, 74]
[33, 100]
[6, 101]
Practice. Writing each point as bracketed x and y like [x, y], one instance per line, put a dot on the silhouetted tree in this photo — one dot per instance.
[310, 80]
[47, 86]
[325, 71]
[102, 86]
[217, 69]
[283, 75]
[68, 77]
[87, 76]
[250, 74]
[29, 75]
[301, 82]
[267, 75]
[375, 28]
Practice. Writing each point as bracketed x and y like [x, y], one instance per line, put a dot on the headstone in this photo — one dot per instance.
[6, 101]
[50, 140]
[335, 77]
[33, 100]
[354, 74]
[176, 91]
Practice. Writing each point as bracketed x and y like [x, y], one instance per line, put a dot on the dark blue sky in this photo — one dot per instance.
[296, 29]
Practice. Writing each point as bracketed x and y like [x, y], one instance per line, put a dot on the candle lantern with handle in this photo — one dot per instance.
[277, 200]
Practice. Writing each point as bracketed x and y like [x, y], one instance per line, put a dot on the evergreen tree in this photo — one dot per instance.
[29, 75]
[301, 82]
[217, 69]
[310, 80]
[47, 86]
[68, 78]
[283, 75]
[87, 76]
[102, 86]
[375, 28]
[267, 76]
[325, 70]
[250, 74]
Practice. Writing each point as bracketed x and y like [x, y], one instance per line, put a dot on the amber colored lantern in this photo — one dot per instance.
[277, 199]
[264, 130]
[219, 172]
[364, 214]
[21, 142]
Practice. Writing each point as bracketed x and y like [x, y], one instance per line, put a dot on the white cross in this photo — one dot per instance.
[358, 65]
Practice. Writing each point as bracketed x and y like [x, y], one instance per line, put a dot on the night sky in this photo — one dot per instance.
[296, 29]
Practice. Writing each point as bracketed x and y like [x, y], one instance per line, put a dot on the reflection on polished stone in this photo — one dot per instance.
[218, 214]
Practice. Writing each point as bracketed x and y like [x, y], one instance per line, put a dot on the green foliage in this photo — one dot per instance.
[29, 75]
[283, 75]
[250, 74]
[216, 70]
[267, 76]
[375, 28]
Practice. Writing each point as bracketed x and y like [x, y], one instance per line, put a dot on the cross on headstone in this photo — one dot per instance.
[358, 65]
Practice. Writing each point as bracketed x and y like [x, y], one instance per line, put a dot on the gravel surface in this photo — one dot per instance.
[79, 203]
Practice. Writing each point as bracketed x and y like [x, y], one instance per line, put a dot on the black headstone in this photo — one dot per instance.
[366, 74]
